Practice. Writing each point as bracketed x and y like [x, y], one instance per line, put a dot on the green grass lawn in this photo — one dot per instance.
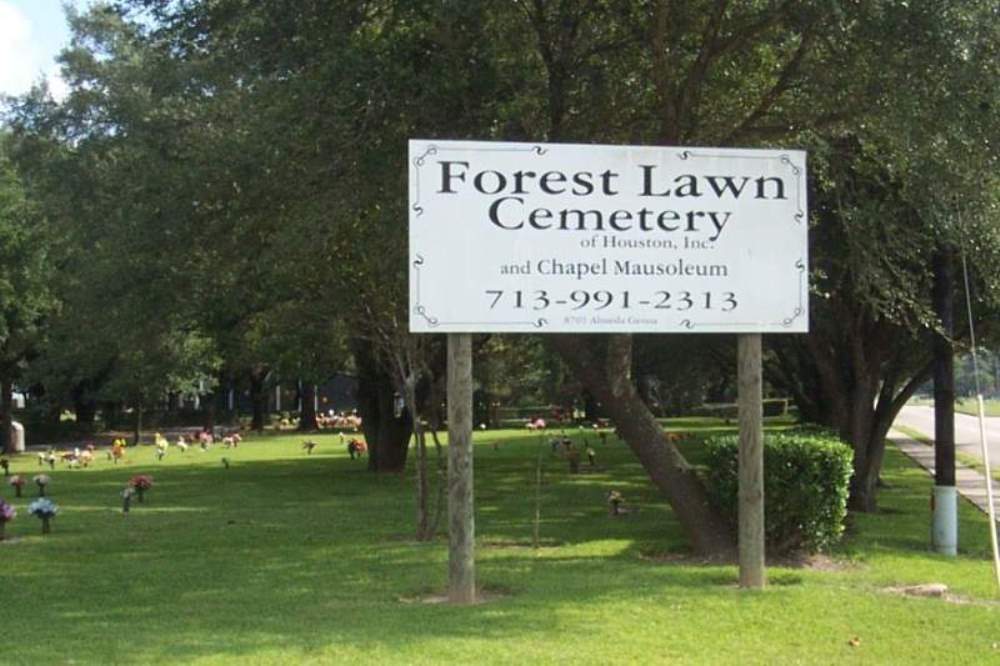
[287, 558]
[970, 406]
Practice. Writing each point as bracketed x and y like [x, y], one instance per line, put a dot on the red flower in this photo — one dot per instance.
[141, 481]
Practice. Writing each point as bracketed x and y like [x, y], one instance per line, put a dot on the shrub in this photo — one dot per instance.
[806, 477]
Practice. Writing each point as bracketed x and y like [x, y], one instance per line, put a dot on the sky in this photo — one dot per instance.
[32, 32]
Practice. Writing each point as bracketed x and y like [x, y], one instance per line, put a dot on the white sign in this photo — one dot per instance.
[517, 237]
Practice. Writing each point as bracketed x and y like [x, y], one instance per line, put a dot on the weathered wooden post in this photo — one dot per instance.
[461, 514]
[751, 462]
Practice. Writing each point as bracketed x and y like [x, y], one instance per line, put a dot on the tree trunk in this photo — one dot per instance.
[110, 415]
[854, 381]
[209, 410]
[258, 398]
[137, 435]
[944, 371]
[423, 487]
[864, 481]
[590, 410]
[84, 406]
[6, 416]
[387, 435]
[86, 413]
[307, 413]
[609, 379]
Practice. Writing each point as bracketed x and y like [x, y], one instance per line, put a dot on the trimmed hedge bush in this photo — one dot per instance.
[806, 477]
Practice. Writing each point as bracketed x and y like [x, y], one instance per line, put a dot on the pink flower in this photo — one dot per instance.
[7, 512]
[537, 424]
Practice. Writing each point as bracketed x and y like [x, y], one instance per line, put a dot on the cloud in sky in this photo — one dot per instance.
[16, 50]
[31, 34]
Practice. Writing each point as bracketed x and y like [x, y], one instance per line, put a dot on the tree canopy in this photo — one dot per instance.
[228, 183]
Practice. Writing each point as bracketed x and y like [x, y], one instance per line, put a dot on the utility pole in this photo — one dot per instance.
[944, 532]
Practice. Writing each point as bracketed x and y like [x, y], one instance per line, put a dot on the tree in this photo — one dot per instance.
[25, 298]
[718, 74]
[105, 170]
[282, 120]
[915, 179]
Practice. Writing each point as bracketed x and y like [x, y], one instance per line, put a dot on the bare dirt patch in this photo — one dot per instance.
[937, 591]
[484, 595]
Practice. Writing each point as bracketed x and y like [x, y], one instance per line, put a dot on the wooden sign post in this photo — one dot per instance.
[751, 462]
[461, 515]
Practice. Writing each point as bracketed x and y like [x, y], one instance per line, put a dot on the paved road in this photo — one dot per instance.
[966, 431]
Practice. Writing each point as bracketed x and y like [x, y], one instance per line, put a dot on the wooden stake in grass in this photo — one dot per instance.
[536, 540]
[127, 499]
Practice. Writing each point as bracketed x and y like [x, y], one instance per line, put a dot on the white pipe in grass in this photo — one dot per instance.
[945, 520]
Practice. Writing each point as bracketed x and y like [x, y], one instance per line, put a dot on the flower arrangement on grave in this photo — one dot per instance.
[141, 483]
[162, 444]
[42, 481]
[7, 514]
[615, 503]
[356, 448]
[535, 424]
[18, 482]
[45, 509]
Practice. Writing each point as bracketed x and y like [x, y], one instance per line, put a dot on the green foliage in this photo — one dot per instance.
[805, 487]
[25, 274]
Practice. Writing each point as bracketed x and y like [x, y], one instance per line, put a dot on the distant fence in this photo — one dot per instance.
[726, 410]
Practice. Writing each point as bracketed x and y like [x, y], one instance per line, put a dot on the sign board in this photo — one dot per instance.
[517, 237]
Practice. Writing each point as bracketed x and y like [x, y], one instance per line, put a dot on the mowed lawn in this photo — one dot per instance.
[289, 558]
